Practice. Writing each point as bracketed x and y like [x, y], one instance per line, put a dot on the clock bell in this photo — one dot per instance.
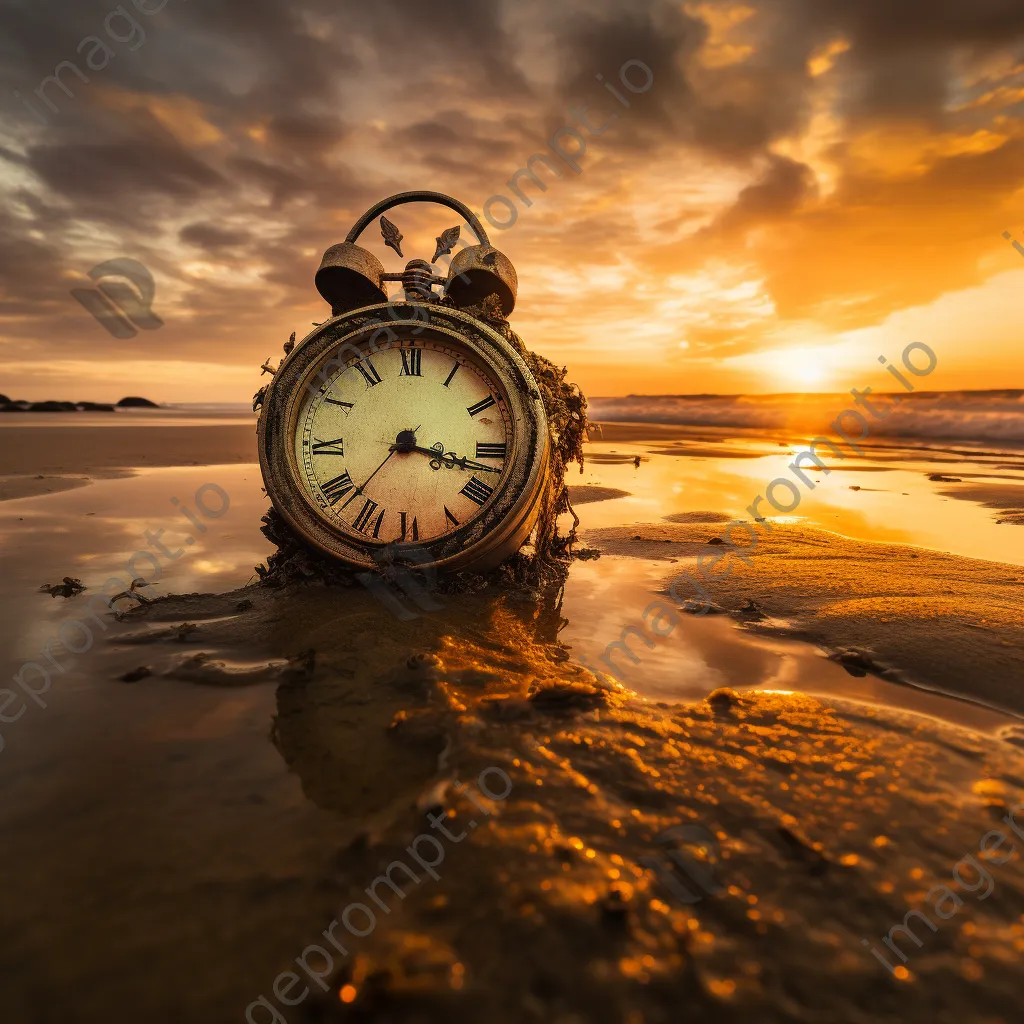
[351, 277]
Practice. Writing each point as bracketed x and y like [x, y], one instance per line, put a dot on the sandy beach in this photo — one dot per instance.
[282, 746]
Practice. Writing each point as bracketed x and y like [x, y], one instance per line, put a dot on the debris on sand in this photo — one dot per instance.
[941, 478]
[568, 697]
[695, 606]
[182, 633]
[750, 611]
[136, 674]
[857, 663]
[723, 700]
[70, 587]
[131, 594]
[205, 670]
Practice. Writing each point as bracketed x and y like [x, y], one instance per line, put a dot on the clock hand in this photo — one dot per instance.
[465, 463]
[359, 489]
[449, 458]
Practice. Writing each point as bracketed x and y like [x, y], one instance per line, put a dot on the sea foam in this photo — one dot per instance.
[958, 415]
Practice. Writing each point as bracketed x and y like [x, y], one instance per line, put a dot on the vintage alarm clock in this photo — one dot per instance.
[410, 430]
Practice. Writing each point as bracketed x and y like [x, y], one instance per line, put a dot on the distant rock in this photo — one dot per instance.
[137, 403]
[69, 588]
[51, 405]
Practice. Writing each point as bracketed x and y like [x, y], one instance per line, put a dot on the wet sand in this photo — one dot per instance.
[16, 486]
[178, 841]
[832, 820]
[918, 616]
[89, 444]
[581, 495]
[1006, 498]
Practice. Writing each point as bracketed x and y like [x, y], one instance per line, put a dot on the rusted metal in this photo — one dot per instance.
[445, 241]
[349, 277]
[418, 281]
[479, 271]
[391, 235]
[419, 197]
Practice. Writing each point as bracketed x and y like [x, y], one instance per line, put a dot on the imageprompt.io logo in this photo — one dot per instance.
[122, 308]
[680, 841]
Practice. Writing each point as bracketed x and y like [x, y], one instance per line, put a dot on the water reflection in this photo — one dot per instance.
[702, 653]
[886, 496]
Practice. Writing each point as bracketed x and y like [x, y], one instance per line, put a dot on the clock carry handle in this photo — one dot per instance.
[418, 197]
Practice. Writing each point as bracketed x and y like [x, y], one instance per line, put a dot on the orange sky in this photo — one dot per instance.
[803, 187]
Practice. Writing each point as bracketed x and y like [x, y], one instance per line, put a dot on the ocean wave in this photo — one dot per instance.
[956, 415]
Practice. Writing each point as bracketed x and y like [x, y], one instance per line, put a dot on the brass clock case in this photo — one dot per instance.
[501, 526]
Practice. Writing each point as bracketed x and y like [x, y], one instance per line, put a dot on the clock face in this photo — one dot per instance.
[428, 448]
[403, 442]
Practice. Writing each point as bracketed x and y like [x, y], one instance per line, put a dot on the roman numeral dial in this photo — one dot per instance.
[336, 489]
[369, 373]
[365, 520]
[406, 443]
[477, 491]
[412, 362]
[410, 530]
[334, 401]
[451, 375]
[335, 447]
[481, 406]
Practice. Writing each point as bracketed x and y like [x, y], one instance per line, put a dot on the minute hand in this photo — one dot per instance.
[449, 458]
[359, 490]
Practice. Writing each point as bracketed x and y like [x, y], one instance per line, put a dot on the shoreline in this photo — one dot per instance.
[910, 614]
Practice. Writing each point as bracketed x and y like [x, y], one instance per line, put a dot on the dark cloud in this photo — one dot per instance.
[596, 42]
[31, 269]
[880, 26]
[123, 170]
[783, 187]
[901, 54]
[305, 133]
[211, 237]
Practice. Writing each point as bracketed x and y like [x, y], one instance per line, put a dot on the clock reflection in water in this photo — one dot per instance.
[411, 426]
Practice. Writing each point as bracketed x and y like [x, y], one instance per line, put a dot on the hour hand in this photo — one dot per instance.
[449, 459]
[477, 467]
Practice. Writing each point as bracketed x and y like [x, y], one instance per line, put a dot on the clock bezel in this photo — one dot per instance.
[499, 528]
